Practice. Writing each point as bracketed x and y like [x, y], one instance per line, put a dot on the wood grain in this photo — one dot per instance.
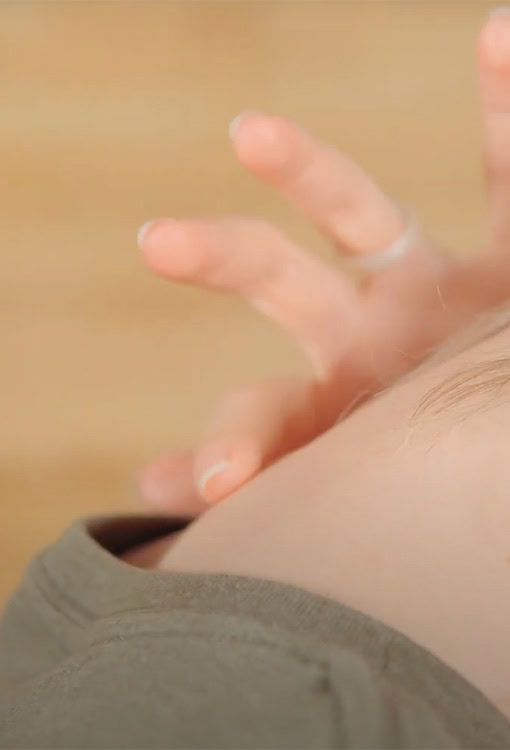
[116, 112]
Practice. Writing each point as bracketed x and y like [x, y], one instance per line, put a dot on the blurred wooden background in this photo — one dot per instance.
[116, 112]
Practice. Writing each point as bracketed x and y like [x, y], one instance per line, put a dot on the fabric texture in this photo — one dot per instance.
[95, 653]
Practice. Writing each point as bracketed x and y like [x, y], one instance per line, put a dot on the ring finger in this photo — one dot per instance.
[494, 73]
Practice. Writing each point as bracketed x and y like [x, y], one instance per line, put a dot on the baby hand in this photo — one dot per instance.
[359, 337]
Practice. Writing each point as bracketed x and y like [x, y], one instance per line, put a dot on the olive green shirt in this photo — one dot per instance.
[95, 653]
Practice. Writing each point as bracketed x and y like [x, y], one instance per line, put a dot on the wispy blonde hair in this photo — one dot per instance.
[478, 386]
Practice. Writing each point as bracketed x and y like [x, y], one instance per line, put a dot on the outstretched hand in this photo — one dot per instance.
[359, 337]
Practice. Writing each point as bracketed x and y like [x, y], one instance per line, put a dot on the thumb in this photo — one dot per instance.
[249, 429]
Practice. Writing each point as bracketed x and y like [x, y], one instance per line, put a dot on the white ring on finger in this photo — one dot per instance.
[387, 256]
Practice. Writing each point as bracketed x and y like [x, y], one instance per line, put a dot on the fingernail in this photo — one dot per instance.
[232, 128]
[218, 468]
[501, 11]
[144, 230]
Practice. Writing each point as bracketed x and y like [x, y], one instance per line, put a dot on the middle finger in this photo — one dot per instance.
[324, 183]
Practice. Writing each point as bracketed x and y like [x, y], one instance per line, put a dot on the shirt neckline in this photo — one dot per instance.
[84, 567]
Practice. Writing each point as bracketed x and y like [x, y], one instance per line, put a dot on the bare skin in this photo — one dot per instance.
[350, 507]
[359, 339]
[410, 528]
